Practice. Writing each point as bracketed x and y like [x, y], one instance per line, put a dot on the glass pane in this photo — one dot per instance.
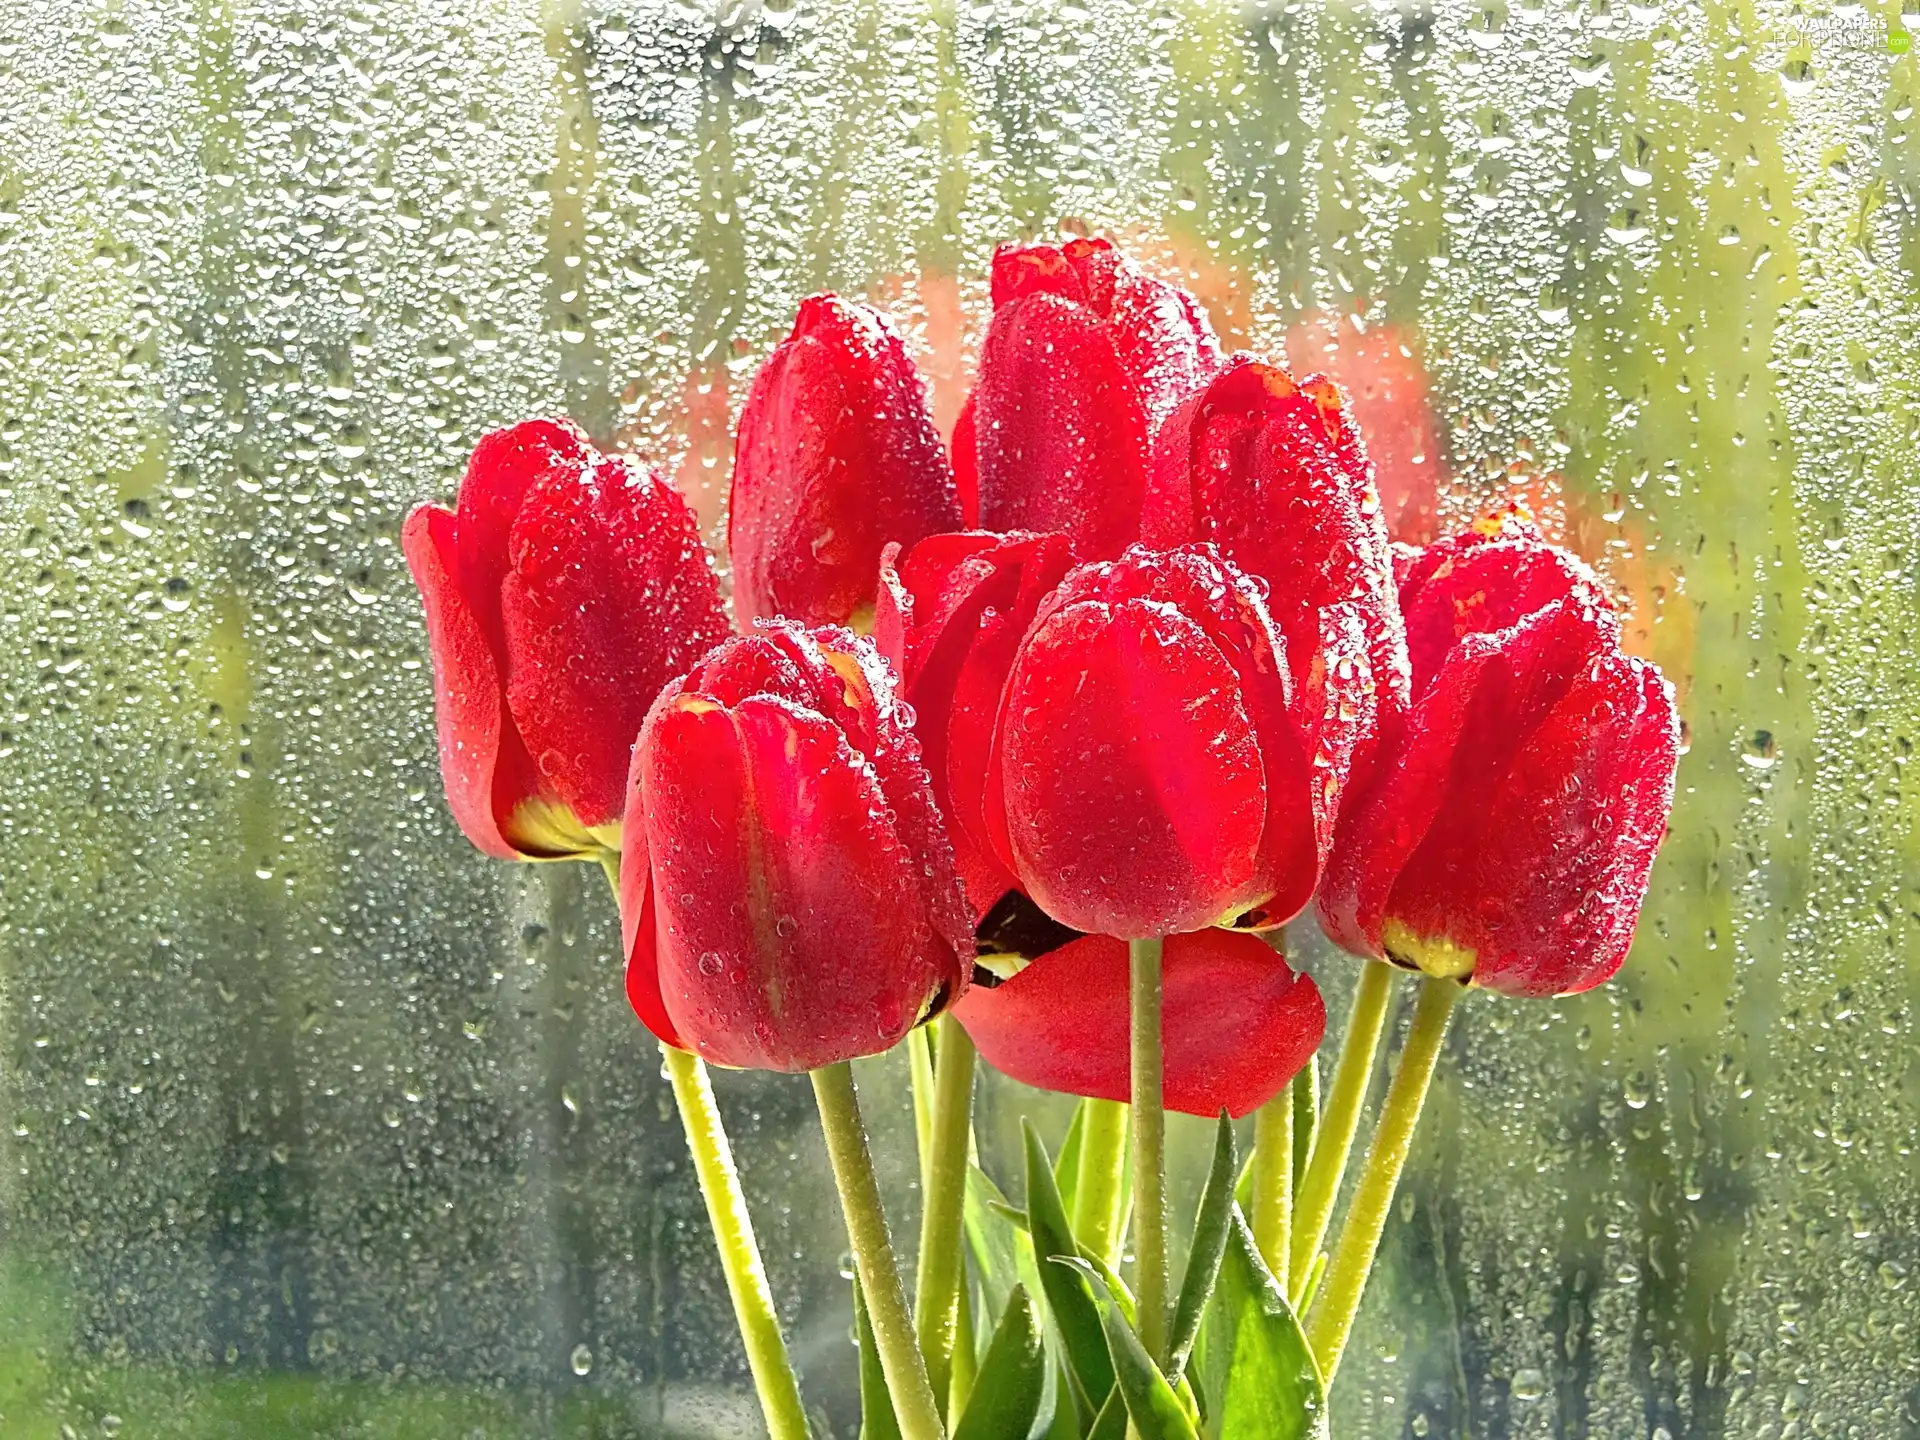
[318, 1122]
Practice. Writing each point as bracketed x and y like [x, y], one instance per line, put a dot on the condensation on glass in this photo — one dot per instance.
[313, 1116]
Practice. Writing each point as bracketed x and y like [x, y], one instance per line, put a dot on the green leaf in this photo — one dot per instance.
[877, 1420]
[1116, 1287]
[1209, 1244]
[1111, 1422]
[1156, 1412]
[1069, 1295]
[1258, 1374]
[1066, 1165]
[1306, 1116]
[1064, 1424]
[1009, 1212]
[1006, 1396]
[1001, 1251]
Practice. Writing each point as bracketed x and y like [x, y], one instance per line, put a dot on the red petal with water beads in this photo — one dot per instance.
[530, 585]
[790, 900]
[1085, 358]
[1146, 767]
[1272, 472]
[1237, 1024]
[950, 617]
[1488, 577]
[966, 467]
[836, 456]
[482, 763]
[1508, 831]
[504, 466]
[611, 594]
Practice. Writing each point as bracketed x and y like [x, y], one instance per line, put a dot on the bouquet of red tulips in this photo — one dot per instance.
[1025, 749]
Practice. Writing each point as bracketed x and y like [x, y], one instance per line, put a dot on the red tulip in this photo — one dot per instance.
[1507, 831]
[788, 893]
[1086, 356]
[836, 456]
[1152, 773]
[950, 616]
[1238, 1022]
[564, 590]
[1272, 472]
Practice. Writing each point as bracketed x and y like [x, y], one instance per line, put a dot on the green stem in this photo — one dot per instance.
[1098, 1183]
[753, 1312]
[1149, 1150]
[1273, 1182]
[1346, 1279]
[1306, 1117]
[920, 1072]
[773, 1376]
[1313, 1207]
[913, 1403]
[936, 1290]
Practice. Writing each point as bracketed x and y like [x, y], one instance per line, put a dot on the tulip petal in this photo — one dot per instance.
[966, 466]
[1084, 360]
[790, 930]
[1276, 477]
[643, 958]
[482, 762]
[611, 594]
[505, 465]
[1059, 429]
[951, 615]
[1237, 1024]
[836, 455]
[1558, 856]
[1444, 774]
[1474, 582]
[1134, 793]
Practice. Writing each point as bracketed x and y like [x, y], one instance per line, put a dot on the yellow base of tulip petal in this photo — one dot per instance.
[1436, 955]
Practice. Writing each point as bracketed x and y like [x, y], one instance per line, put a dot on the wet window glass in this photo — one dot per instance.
[314, 1120]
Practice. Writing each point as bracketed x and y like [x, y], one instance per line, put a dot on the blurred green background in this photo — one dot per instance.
[315, 1122]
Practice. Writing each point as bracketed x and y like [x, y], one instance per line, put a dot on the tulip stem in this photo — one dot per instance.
[1333, 1138]
[936, 1290]
[920, 1073]
[773, 1376]
[1273, 1182]
[1346, 1279]
[1098, 1190]
[1149, 1149]
[713, 1167]
[906, 1374]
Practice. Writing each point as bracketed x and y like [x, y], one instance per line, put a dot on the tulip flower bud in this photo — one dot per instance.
[951, 613]
[836, 456]
[1084, 360]
[1152, 772]
[1272, 471]
[563, 591]
[1238, 1023]
[1507, 830]
[787, 890]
